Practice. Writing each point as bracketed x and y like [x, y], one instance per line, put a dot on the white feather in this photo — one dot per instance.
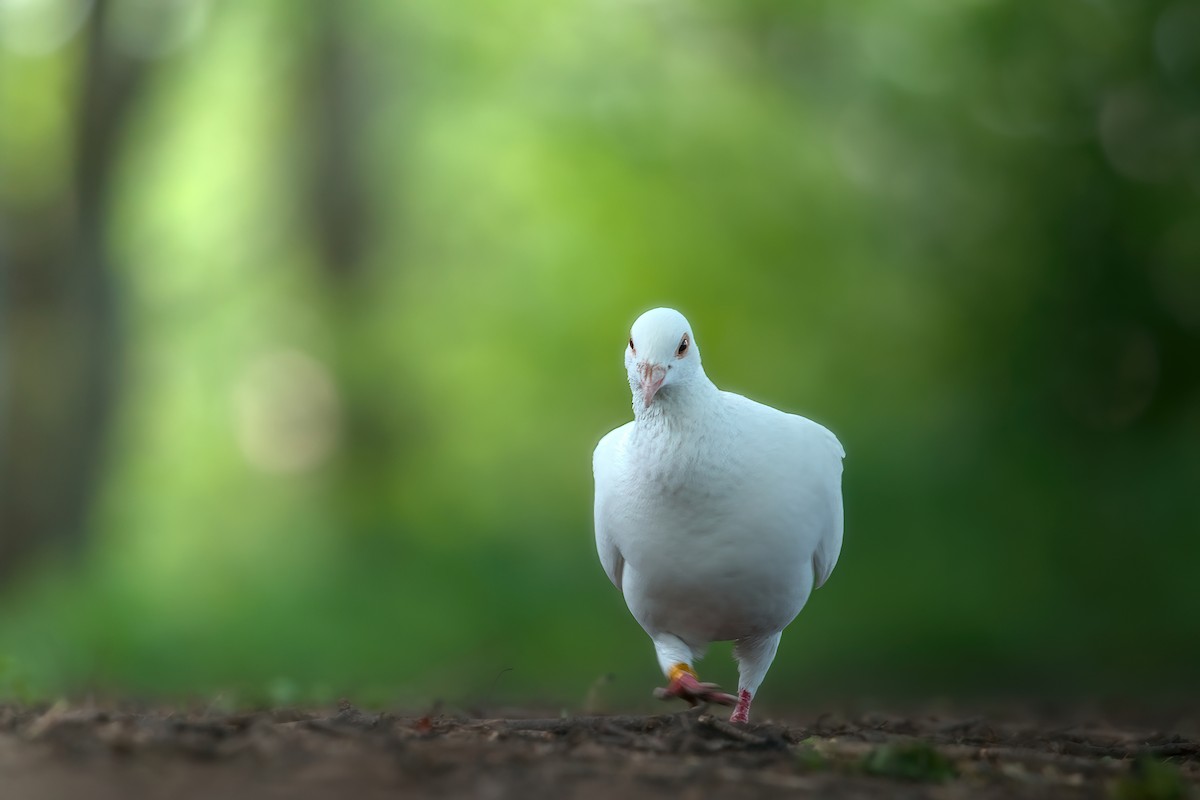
[715, 515]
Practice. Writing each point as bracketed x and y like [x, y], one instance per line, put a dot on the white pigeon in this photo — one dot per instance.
[716, 516]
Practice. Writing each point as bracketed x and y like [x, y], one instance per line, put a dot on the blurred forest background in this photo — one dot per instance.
[312, 313]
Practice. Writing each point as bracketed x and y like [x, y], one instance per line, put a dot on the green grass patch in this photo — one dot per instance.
[916, 761]
[1151, 779]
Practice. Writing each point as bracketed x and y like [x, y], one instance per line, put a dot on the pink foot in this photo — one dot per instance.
[742, 712]
[686, 686]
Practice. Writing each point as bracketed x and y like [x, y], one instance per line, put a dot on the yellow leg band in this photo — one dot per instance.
[680, 669]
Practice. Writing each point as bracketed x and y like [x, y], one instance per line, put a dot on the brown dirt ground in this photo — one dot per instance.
[69, 750]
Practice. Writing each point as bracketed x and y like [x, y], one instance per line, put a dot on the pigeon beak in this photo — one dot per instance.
[652, 377]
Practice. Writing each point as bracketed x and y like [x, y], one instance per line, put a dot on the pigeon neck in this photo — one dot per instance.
[676, 405]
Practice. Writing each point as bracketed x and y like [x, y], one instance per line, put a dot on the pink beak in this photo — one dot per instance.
[652, 377]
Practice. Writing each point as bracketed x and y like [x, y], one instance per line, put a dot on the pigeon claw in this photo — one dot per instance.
[686, 686]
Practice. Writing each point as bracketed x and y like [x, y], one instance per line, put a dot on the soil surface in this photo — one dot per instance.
[82, 751]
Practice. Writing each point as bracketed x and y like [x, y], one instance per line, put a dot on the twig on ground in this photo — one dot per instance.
[729, 730]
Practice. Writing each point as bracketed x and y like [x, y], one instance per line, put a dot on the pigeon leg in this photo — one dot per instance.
[741, 712]
[754, 655]
[675, 658]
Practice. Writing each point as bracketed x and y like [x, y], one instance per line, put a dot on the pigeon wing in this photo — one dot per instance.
[830, 546]
[604, 469]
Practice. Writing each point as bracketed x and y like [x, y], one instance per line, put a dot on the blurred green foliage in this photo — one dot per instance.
[376, 263]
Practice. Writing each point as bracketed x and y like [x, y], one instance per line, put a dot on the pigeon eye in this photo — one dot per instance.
[631, 347]
[683, 347]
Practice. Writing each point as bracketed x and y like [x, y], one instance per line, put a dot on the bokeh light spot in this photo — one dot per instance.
[286, 412]
[39, 27]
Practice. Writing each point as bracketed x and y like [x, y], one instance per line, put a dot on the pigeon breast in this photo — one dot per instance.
[717, 521]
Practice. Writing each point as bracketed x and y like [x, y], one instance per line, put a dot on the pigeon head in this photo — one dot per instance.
[661, 354]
